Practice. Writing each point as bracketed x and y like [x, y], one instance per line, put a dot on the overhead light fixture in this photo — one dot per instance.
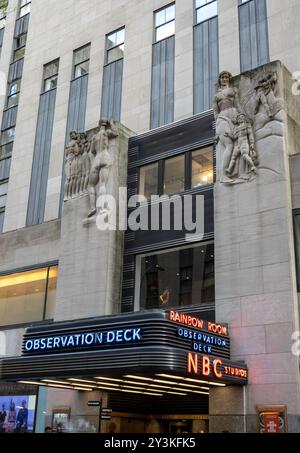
[60, 386]
[153, 394]
[169, 376]
[217, 384]
[130, 376]
[83, 389]
[51, 381]
[196, 380]
[32, 383]
[201, 393]
[177, 393]
[82, 380]
[108, 379]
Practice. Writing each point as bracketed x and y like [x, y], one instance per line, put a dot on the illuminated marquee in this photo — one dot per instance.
[197, 323]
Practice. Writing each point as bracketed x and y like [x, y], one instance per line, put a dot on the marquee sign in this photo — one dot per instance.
[147, 343]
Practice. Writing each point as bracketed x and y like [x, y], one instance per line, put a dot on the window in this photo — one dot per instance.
[7, 140]
[3, 194]
[13, 93]
[177, 278]
[149, 180]
[164, 23]
[20, 41]
[202, 167]
[115, 45]
[19, 53]
[254, 35]
[3, 9]
[174, 175]
[206, 9]
[28, 296]
[24, 7]
[50, 75]
[81, 61]
[191, 170]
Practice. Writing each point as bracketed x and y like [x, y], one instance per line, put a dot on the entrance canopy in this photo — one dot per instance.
[153, 353]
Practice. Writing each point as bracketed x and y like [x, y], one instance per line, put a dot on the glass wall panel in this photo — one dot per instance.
[177, 278]
[174, 178]
[202, 167]
[23, 296]
[149, 180]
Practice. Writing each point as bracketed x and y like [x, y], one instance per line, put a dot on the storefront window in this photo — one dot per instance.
[28, 296]
[177, 278]
[202, 167]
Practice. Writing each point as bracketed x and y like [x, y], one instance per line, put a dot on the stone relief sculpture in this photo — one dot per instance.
[88, 162]
[243, 114]
[102, 162]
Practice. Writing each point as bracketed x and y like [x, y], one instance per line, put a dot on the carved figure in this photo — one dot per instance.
[265, 93]
[86, 162]
[102, 162]
[226, 108]
[243, 136]
[72, 150]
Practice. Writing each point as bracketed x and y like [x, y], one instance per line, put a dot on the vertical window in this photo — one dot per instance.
[163, 66]
[24, 7]
[254, 41]
[164, 23]
[42, 147]
[50, 75]
[206, 53]
[174, 175]
[113, 75]
[81, 61]
[115, 43]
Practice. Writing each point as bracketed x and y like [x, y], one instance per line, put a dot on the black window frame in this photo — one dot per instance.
[108, 49]
[156, 27]
[187, 171]
[201, 7]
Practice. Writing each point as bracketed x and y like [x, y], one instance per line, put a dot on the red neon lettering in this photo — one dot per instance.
[206, 366]
[217, 363]
[192, 363]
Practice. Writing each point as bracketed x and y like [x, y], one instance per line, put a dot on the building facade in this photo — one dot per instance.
[153, 67]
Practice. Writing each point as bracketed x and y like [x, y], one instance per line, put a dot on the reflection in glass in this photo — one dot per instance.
[202, 167]
[174, 175]
[178, 278]
[149, 180]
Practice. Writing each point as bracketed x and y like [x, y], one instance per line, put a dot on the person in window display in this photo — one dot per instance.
[22, 419]
[11, 418]
[3, 415]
